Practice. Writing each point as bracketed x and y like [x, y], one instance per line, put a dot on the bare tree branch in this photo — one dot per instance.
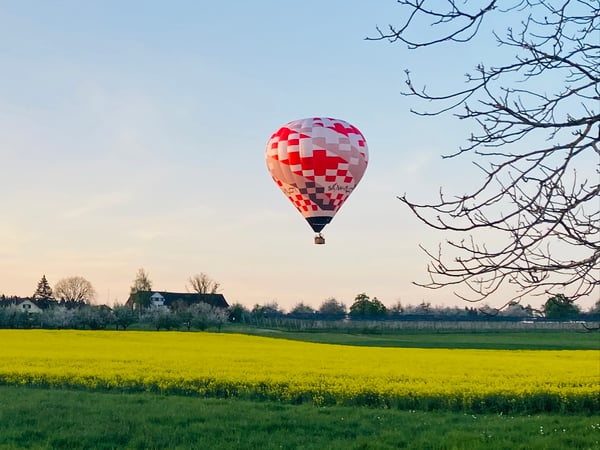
[532, 147]
[201, 283]
[75, 290]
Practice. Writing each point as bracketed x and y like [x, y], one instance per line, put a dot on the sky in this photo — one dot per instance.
[132, 135]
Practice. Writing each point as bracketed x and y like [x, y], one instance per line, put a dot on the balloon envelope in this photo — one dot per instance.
[317, 163]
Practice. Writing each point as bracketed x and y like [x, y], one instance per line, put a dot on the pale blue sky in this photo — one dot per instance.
[132, 134]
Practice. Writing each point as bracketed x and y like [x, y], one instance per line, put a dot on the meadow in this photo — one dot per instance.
[36, 418]
[468, 339]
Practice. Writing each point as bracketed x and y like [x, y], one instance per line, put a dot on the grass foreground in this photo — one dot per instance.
[36, 418]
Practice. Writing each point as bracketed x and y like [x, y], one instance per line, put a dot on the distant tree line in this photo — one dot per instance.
[69, 305]
[202, 316]
[556, 307]
[199, 316]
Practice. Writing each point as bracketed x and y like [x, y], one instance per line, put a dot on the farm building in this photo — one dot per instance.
[173, 300]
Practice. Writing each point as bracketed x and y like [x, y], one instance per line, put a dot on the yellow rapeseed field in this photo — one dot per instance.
[264, 368]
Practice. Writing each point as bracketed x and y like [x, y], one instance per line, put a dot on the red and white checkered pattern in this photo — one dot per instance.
[317, 162]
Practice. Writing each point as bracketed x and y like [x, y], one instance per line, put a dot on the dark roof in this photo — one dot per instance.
[8, 301]
[183, 297]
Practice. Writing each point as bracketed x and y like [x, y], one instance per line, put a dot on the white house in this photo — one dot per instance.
[26, 306]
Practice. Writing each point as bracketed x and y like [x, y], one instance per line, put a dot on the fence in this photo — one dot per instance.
[424, 322]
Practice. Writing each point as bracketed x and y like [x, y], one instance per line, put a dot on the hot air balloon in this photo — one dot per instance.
[317, 163]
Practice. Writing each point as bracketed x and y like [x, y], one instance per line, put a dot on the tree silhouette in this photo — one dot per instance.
[537, 150]
[302, 308]
[559, 307]
[332, 307]
[364, 306]
[201, 283]
[141, 283]
[75, 291]
[43, 293]
[140, 289]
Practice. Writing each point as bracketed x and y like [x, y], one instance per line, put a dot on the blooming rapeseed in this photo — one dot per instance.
[230, 365]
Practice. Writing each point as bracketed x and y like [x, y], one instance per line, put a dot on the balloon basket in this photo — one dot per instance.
[319, 239]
